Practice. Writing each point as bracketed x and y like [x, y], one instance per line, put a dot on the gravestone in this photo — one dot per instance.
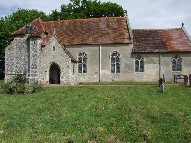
[160, 81]
[187, 80]
[162, 88]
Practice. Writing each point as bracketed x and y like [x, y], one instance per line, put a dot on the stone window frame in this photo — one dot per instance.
[115, 65]
[139, 62]
[82, 65]
[176, 63]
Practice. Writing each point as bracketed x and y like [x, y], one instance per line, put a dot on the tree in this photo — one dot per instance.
[9, 24]
[75, 9]
[87, 9]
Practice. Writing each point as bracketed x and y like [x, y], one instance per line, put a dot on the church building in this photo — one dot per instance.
[102, 49]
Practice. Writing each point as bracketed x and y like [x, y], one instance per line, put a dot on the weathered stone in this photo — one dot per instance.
[46, 58]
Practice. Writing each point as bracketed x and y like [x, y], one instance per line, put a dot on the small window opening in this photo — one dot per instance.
[139, 64]
[176, 63]
[82, 63]
[115, 62]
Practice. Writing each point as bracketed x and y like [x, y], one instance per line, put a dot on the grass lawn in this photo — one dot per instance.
[101, 114]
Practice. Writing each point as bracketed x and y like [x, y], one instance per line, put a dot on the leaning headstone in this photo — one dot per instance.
[162, 88]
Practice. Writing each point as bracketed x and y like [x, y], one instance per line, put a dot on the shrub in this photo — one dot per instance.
[9, 87]
[20, 89]
[19, 79]
[17, 86]
[35, 87]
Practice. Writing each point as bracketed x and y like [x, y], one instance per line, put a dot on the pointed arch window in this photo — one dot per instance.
[115, 62]
[139, 64]
[82, 63]
[176, 63]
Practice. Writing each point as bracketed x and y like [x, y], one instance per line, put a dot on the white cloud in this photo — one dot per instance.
[6, 8]
[159, 13]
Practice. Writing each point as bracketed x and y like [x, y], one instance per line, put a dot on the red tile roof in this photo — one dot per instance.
[108, 30]
[103, 30]
[38, 31]
[161, 40]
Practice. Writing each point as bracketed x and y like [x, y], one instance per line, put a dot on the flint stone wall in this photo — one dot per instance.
[16, 58]
[26, 55]
[54, 53]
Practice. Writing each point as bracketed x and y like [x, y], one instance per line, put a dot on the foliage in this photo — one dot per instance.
[20, 88]
[35, 87]
[17, 86]
[138, 113]
[13, 22]
[19, 79]
[87, 9]
[9, 87]
[75, 9]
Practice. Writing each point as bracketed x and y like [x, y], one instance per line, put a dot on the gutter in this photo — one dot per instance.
[100, 58]
[160, 55]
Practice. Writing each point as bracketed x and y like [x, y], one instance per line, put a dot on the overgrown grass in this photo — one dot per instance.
[98, 114]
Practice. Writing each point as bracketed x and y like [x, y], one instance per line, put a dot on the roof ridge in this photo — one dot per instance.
[76, 19]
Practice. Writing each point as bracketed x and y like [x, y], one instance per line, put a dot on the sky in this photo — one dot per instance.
[143, 14]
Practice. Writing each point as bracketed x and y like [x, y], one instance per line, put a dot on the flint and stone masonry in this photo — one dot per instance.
[50, 53]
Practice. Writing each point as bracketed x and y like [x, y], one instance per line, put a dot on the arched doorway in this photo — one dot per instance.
[54, 74]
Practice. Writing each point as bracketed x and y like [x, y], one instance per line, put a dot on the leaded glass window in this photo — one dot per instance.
[82, 63]
[176, 63]
[115, 62]
[139, 64]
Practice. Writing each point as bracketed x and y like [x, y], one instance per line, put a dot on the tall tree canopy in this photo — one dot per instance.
[87, 9]
[75, 9]
[9, 24]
